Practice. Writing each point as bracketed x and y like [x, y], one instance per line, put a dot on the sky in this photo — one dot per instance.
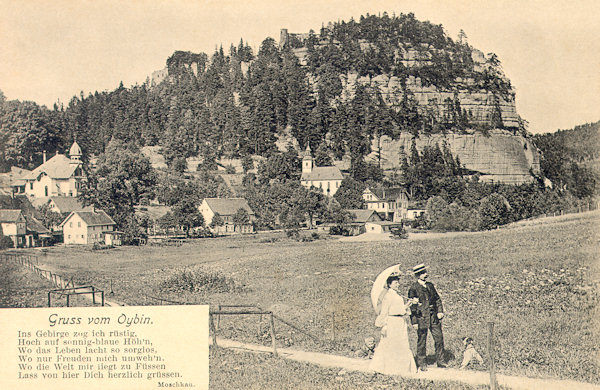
[51, 51]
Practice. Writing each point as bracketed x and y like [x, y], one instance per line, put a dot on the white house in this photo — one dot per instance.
[226, 208]
[58, 176]
[87, 227]
[328, 178]
[389, 202]
[14, 226]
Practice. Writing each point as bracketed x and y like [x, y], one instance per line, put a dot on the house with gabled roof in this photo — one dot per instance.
[327, 179]
[58, 176]
[226, 208]
[36, 233]
[14, 225]
[61, 204]
[13, 182]
[87, 227]
[391, 203]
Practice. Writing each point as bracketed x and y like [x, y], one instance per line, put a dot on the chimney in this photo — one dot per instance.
[44, 154]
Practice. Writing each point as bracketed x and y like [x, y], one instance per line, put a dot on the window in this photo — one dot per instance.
[82, 236]
[46, 191]
[70, 224]
[78, 224]
[69, 236]
[31, 186]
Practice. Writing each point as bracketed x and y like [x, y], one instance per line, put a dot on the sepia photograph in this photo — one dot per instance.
[300, 195]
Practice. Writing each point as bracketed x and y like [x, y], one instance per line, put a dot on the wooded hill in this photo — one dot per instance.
[236, 104]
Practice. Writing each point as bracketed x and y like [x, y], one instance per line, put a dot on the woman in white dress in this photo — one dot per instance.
[393, 355]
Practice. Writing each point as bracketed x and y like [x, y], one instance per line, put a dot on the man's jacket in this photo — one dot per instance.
[430, 304]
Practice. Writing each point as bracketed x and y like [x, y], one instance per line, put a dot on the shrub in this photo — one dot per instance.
[6, 242]
[199, 280]
[399, 233]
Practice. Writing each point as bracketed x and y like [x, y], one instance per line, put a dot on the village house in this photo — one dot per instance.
[327, 178]
[14, 225]
[88, 227]
[36, 233]
[359, 217]
[13, 182]
[381, 226]
[58, 176]
[227, 208]
[391, 203]
[151, 214]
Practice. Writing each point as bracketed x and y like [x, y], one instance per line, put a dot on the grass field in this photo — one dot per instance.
[235, 370]
[539, 284]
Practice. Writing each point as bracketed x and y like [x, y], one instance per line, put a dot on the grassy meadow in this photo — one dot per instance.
[538, 282]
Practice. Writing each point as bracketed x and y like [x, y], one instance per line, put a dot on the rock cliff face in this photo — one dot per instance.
[503, 155]
[500, 157]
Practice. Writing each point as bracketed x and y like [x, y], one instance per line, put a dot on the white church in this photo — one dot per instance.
[328, 178]
[58, 176]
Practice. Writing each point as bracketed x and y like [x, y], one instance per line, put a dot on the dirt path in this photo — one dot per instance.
[474, 378]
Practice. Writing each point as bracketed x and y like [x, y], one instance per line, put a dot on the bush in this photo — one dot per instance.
[6, 242]
[199, 280]
[293, 233]
[399, 233]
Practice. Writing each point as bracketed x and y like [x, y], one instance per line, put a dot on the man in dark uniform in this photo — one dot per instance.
[426, 315]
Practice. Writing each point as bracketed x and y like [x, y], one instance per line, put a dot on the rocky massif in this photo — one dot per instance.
[504, 154]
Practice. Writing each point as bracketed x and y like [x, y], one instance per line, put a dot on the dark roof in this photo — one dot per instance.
[389, 193]
[9, 215]
[228, 206]
[14, 178]
[323, 173]
[92, 218]
[362, 215]
[33, 225]
[18, 202]
[154, 212]
[67, 204]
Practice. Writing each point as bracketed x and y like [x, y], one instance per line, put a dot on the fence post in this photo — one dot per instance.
[491, 353]
[211, 323]
[273, 334]
[102, 293]
[219, 317]
[49, 298]
[93, 295]
[68, 295]
[333, 325]
[259, 324]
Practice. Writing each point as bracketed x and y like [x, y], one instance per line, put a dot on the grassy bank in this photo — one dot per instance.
[537, 283]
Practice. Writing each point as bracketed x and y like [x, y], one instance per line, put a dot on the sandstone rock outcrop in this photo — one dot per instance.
[500, 157]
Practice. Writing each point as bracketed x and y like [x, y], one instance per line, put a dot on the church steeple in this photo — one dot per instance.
[75, 153]
[307, 161]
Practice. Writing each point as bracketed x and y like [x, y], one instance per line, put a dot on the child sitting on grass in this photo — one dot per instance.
[366, 351]
[470, 353]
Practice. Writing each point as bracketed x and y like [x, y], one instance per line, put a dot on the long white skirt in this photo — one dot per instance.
[392, 355]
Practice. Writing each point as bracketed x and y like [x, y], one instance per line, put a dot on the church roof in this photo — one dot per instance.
[75, 150]
[323, 173]
[58, 167]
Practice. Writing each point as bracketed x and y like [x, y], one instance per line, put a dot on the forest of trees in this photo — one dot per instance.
[237, 104]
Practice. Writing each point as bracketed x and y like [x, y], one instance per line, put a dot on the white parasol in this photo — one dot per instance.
[379, 286]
